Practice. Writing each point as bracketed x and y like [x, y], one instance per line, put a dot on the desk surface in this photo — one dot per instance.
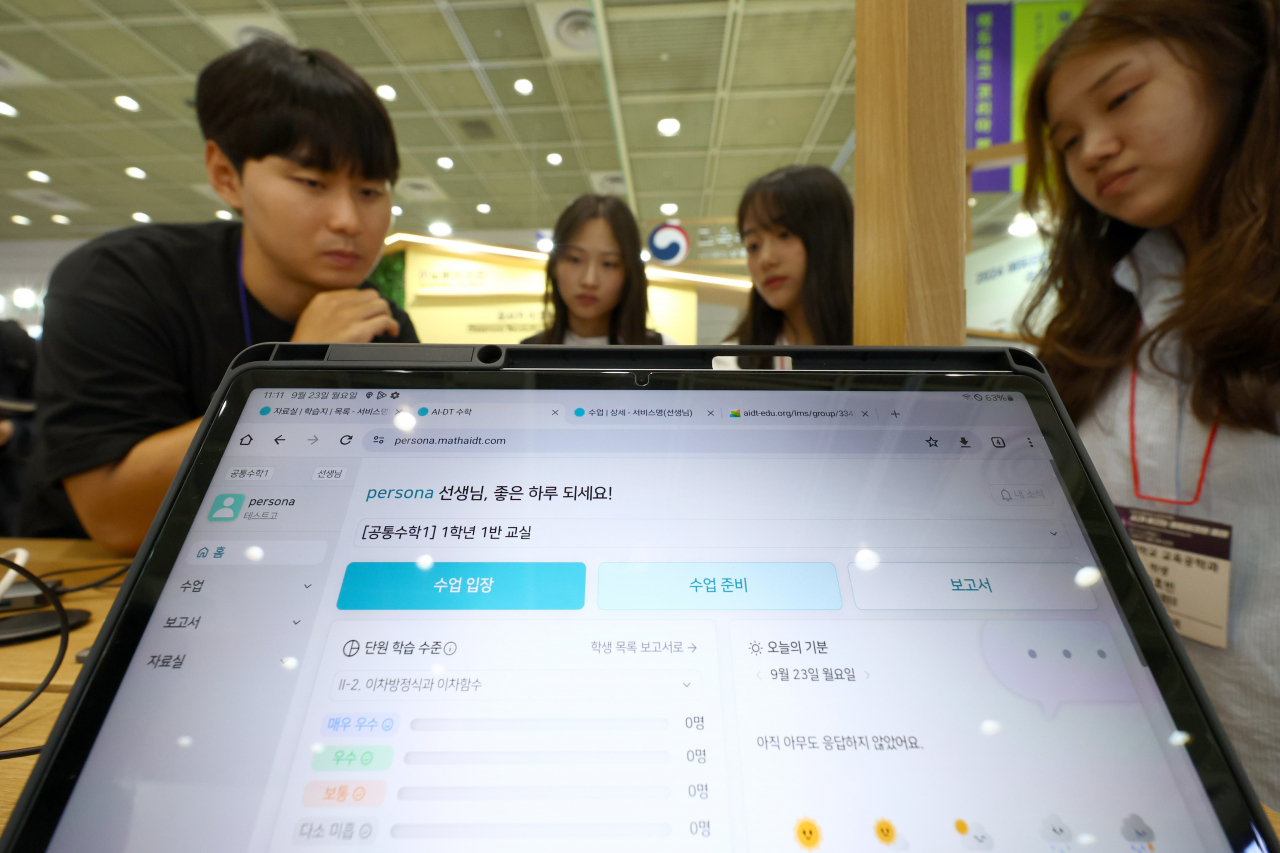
[23, 666]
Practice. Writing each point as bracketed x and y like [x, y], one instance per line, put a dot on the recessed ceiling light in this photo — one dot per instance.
[483, 208]
[135, 172]
[445, 162]
[546, 244]
[669, 209]
[60, 219]
[124, 102]
[19, 219]
[38, 176]
[396, 210]
[225, 215]
[669, 126]
[7, 109]
[973, 202]
[24, 297]
[439, 229]
[141, 217]
[387, 93]
[554, 159]
[645, 256]
[524, 87]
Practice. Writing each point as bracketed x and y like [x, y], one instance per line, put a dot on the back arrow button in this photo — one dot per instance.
[278, 439]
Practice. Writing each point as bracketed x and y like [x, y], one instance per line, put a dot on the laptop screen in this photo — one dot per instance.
[565, 614]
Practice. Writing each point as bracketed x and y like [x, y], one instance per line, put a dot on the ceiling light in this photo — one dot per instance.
[445, 162]
[9, 110]
[439, 229]
[669, 126]
[124, 102]
[483, 208]
[135, 172]
[524, 87]
[225, 215]
[1022, 225]
[24, 297]
[19, 219]
[38, 177]
[396, 210]
[554, 159]
[973, 202]
[669, 209]
[141, 217]
[546, 244]
[60, 219]
[645, 256]
[387, 93]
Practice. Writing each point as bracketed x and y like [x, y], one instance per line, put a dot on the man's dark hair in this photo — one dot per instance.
[271, 98]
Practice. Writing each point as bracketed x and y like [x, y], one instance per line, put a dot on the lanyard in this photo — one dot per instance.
[244, 298]
[1133, 449]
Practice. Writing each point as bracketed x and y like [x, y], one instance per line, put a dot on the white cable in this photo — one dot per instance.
[19, 556]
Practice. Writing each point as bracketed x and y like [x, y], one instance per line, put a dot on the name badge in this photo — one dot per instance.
[1189, 562]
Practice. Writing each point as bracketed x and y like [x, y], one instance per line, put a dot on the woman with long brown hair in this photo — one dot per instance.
[1153, 142]
[597, 291]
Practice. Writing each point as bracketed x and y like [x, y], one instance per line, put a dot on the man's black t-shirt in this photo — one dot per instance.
[139, 327]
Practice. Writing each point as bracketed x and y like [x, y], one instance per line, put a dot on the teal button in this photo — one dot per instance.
[464, 586]
[718, 586]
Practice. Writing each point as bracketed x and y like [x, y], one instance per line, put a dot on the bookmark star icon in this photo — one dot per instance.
[933, 442]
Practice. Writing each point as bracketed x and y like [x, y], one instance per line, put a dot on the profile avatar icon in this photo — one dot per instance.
[226, 507]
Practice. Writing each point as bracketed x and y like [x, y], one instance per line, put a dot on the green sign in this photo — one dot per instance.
[1035, 26]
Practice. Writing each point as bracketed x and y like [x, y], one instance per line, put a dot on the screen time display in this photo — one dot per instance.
[483, 620]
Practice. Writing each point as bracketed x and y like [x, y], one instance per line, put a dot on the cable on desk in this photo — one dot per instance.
[64, 625]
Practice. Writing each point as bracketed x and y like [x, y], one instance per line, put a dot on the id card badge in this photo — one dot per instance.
[1189, 562]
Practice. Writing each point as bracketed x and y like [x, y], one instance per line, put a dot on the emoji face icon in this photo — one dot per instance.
[1135, 830]
[973, 836]
[1055, 829]
[808, 834]
[886, 832]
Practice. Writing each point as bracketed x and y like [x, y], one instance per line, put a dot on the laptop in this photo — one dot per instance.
[492, 598]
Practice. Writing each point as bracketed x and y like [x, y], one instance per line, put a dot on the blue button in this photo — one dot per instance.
[464, 586]
[718, 586]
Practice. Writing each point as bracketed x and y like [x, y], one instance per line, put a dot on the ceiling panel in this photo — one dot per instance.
[452, 89]
[48, 57]
[417, 132]
[669, 173]
[666, 55]
[417, 36]
[595, 124]
[503, 80]
[123, 8]
[540, 128]
[190, 46]
[55, 10]
[508, 186]
[500, 33]
[583, 83]
[499, 161]
[758, 122]
[342, 35]
[117, 51]
[601, 158]
[804, 48]
[735, 171]
[840, 123]
[641, 122]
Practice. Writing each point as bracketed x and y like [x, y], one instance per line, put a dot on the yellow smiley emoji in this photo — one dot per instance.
[885, 831]
[808, 834]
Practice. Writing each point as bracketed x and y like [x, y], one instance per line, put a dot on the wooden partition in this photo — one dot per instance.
[909, 174]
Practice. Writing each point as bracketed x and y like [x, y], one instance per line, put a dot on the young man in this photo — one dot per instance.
[141, 324]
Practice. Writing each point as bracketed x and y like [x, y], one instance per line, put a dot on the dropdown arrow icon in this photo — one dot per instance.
[296, 621]
[687, 683]
[306, 586]
[1053, 533]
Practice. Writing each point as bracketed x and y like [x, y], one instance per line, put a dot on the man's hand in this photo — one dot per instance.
[345, 317]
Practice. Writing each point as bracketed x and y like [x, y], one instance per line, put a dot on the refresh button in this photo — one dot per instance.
[346, 439]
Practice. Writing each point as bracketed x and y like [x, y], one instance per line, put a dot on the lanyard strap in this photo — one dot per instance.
[244, 298]
[1133, 449]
